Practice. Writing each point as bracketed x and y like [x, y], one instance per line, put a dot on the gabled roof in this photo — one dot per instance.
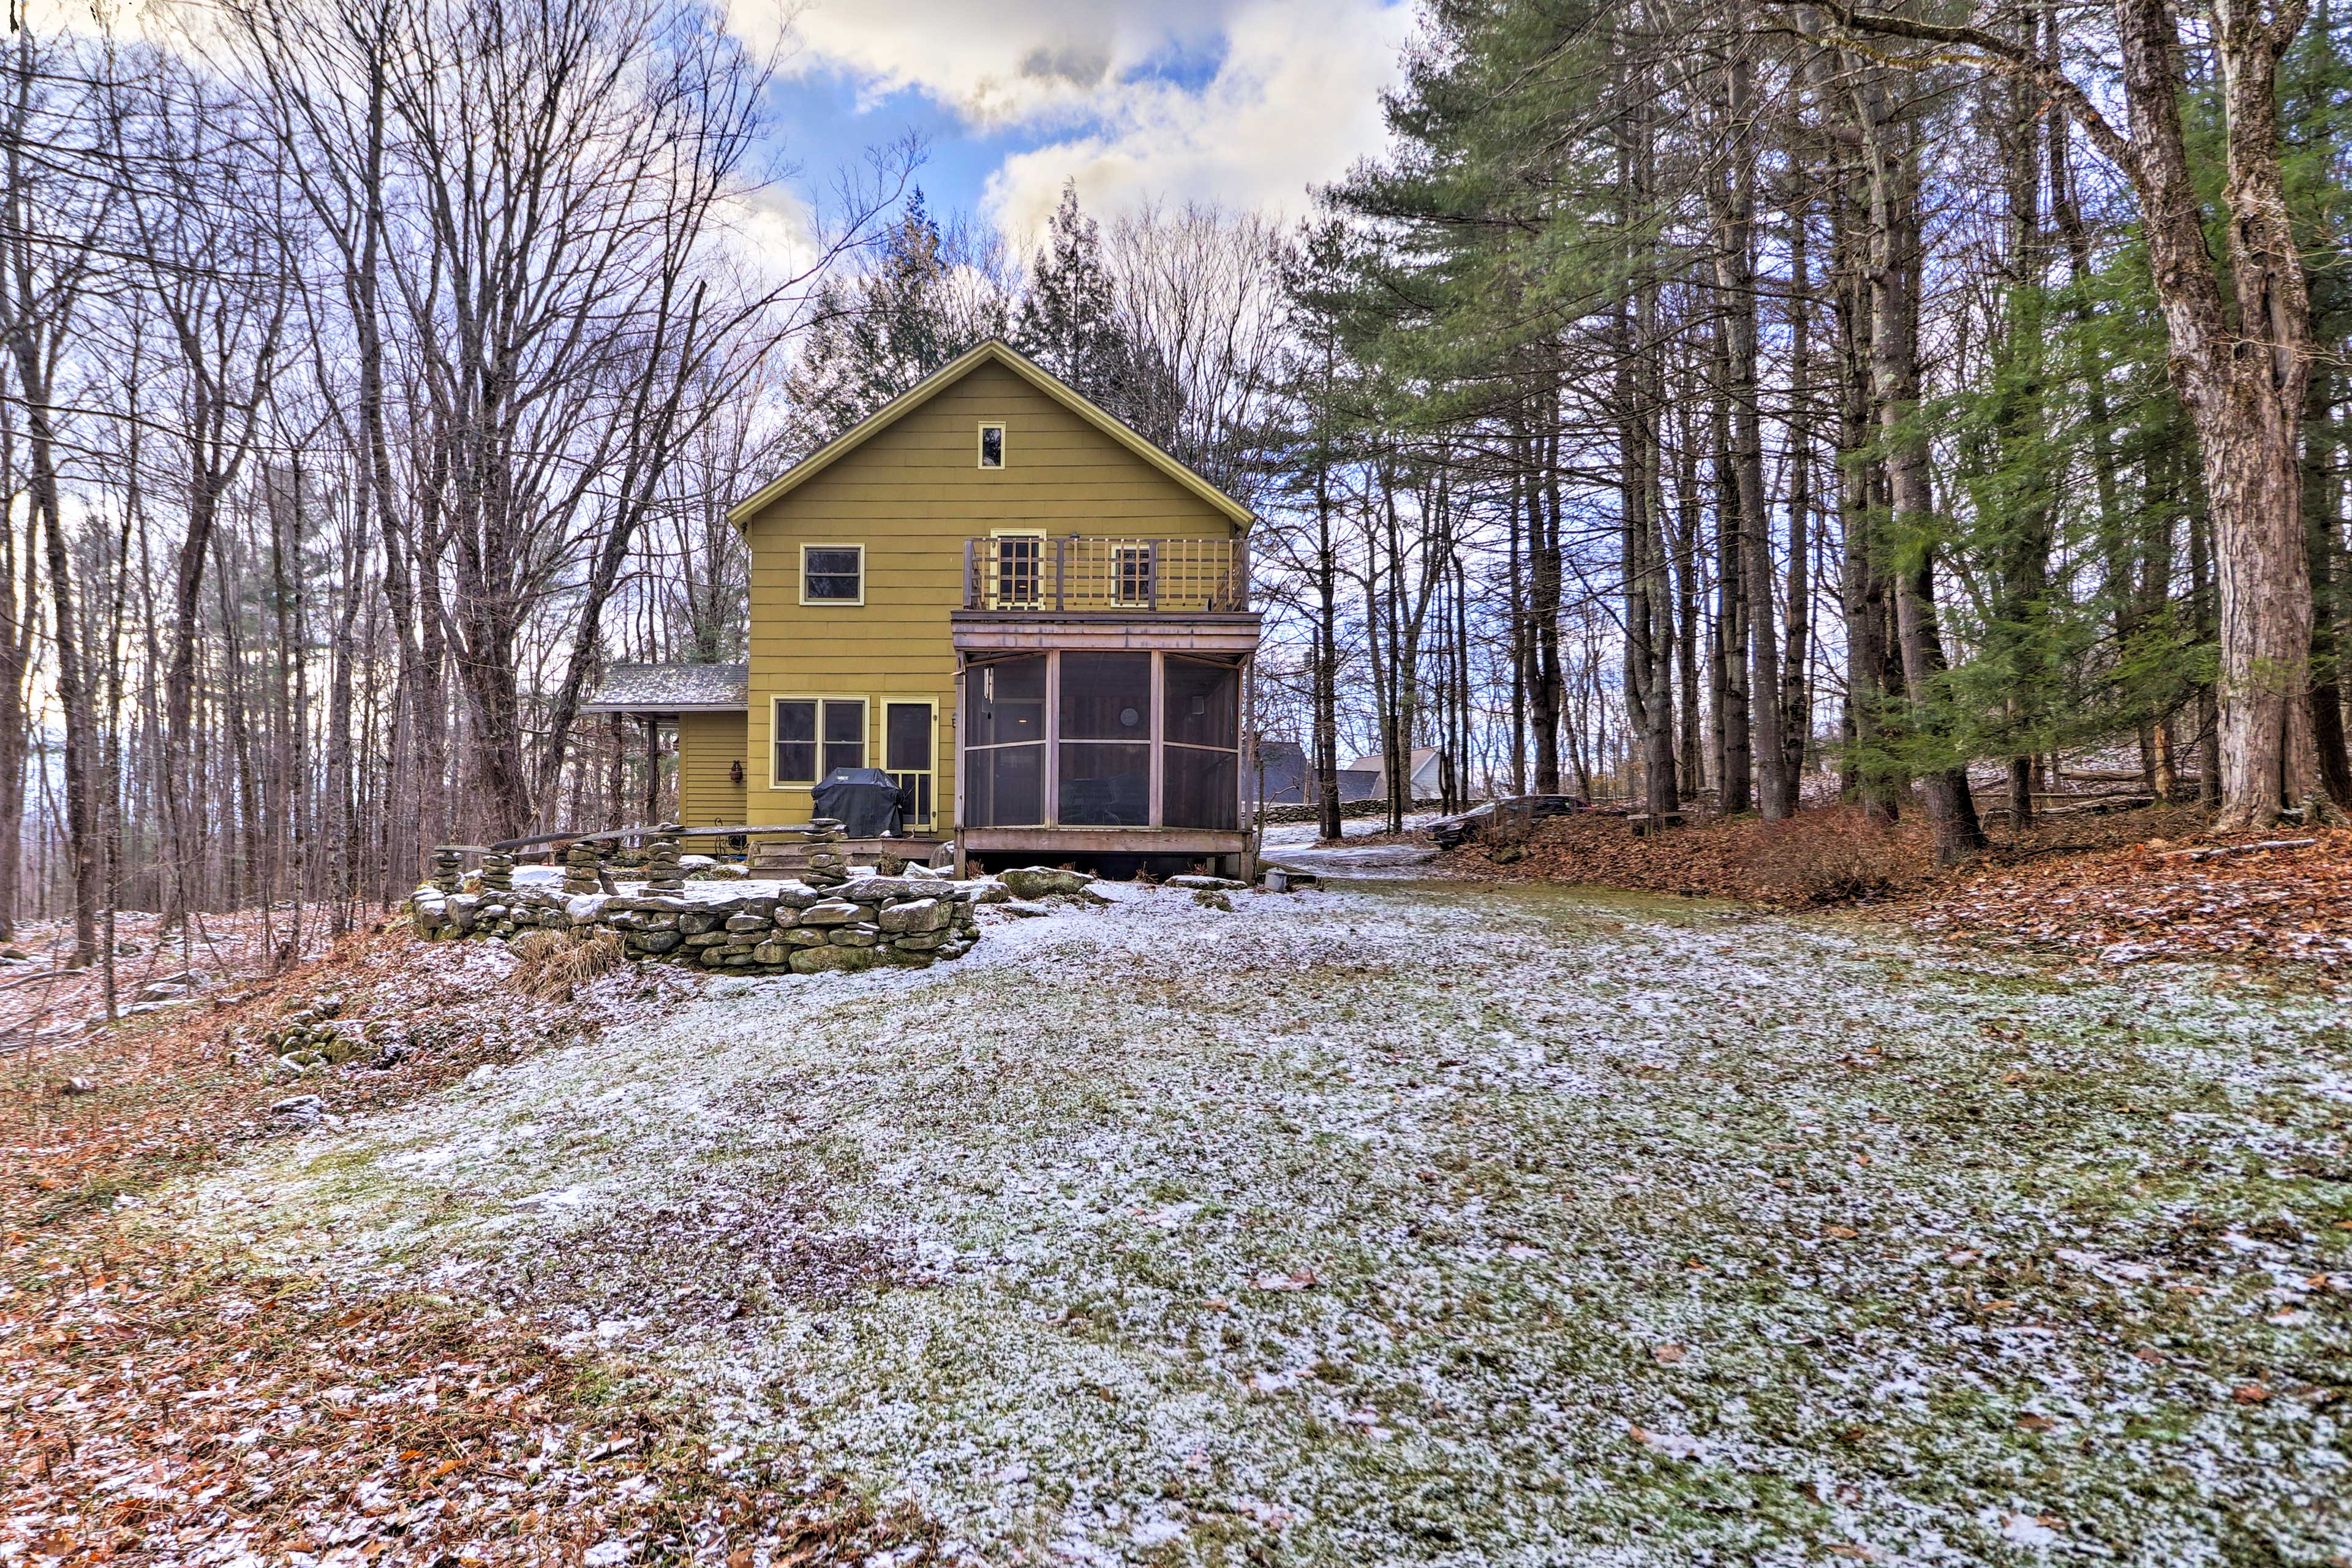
[995, 350]
[1423, 757]
[671, 688]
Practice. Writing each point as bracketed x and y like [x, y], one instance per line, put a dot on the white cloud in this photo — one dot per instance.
[1293, 98]
[1295, 102]
[1008, 62]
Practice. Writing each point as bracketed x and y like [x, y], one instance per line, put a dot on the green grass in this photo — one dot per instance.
[997, 1238]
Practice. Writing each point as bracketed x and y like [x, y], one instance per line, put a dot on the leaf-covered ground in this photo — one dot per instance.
[1431, 1225]
[2276, 897]
[167, 1404]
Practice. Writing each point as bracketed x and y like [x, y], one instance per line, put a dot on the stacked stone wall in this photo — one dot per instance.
[859, 923]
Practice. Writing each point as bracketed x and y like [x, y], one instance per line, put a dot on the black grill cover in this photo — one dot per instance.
[868, 803]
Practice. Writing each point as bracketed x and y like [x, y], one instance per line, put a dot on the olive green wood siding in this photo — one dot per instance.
[912, 494]
[709, 746]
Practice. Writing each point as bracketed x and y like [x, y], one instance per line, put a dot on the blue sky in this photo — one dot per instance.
[1242, 101]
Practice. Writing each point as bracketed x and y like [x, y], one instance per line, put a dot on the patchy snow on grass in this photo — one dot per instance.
[1435, 1225]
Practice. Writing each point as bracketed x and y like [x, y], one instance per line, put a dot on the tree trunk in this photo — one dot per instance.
[1550, 686]
[1796, 701]
[1326, 659]
[2243, 382]
[1750, 555]
[1730, 648]
[18, 618]
[2322, 522]
[1895, 271]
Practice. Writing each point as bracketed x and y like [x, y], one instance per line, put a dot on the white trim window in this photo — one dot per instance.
[1016, 568]
[1133, 579]
[812, 736]
[833, 575]
[991, 443]
[910, 753]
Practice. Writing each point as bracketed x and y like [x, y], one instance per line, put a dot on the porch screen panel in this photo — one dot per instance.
[1006, 787]
[1199, 769]
[1006, 703]
[1106, 740]
[1200, 788]
[1005, 743]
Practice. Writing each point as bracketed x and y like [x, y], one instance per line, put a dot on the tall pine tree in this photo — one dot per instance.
[930, 296]
[1068, 320]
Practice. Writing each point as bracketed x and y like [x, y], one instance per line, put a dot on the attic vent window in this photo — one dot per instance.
[991, 445]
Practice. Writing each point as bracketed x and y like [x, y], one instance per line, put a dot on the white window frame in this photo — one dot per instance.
[833, 604]
[865, 730]
[994, 588]
[1124, 553]
[979, 446]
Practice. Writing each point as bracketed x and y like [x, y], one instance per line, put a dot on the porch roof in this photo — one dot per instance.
[663, 689]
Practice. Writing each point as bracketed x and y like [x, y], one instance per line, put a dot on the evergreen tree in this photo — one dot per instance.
[1066, 322]
[930, 296]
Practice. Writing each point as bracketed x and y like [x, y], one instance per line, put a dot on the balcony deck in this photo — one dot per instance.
[1031, 574]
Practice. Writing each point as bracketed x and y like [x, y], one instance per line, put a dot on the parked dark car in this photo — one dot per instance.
[1530, 809]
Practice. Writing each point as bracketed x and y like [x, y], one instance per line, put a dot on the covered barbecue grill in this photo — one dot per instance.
[869, 805]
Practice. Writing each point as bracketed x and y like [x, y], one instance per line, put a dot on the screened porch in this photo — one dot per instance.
[1132, 741]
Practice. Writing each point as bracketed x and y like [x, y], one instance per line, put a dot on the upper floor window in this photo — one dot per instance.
[991, 445]
[833, 573]
[1134, 584]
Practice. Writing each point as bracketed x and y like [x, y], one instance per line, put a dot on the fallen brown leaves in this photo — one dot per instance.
[1818, 857]
[2144, 901]
[170, 1092]
[160, 1405]
[166, 1410]
[2119, 886]
[44, 999]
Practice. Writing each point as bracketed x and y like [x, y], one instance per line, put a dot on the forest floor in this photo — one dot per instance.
[45, 998]
[2130, 887]
[163, 1401]
[1432, 1223]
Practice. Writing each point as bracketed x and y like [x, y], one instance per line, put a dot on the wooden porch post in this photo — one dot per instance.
[955, 820]
[1248, 759]
[1158, 731]
[1053, 768]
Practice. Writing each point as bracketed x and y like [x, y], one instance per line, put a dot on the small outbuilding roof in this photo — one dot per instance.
[672, 688]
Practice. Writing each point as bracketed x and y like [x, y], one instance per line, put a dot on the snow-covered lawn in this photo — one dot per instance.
[1437, 1225]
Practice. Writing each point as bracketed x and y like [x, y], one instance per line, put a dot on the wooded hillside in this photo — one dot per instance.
[1697, 401]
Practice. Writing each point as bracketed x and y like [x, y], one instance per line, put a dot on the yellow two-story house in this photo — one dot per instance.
[1037, 621]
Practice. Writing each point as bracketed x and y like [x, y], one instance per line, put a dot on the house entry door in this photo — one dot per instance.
[909, 755]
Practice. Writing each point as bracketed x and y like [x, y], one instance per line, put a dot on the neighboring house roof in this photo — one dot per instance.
[1280, 775]
[1424, 777]
[1422, 757]
[671, 688]
[993, 352]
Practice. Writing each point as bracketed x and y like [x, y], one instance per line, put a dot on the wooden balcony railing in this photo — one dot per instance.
[1031, 573]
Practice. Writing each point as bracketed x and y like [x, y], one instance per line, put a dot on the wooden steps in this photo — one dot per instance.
[789, 857]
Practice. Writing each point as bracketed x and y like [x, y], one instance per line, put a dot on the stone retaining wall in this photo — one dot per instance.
[771, 927]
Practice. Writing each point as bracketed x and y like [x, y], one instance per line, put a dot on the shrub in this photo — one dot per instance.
[554, 962]
[1829, 856]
